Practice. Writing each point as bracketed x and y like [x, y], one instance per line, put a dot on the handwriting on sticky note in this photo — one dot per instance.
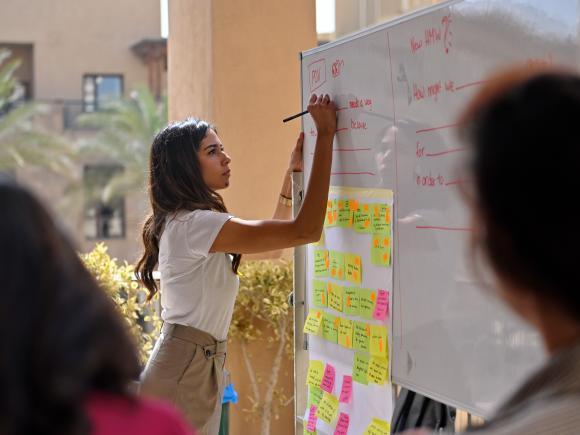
[315, 373]
[361, 336]
[378, 427]
[342, 424]
[344, 214]
[379, 344]
[378, 370]
[345, 328]
[314, 395]
[327, 383]
[319, 295]
[367, 300]
[381, 218]
[321, 263]
[336, 265]
[312, 418]
[328, 408]
[313, 322]
[346, 390]
[360, 368]
[335, 292]
[381, 305]
[331, 217]
[329, 328]
[351, 301]
[353, 265]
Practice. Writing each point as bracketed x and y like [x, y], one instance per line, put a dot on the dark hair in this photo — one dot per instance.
[525, 153]
[175, 183]
[62, 337]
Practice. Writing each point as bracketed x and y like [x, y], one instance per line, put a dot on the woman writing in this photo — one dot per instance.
[197, 246]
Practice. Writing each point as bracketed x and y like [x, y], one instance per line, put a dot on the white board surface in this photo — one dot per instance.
[400, 87]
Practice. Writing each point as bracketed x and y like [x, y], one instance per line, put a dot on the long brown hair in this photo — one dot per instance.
[175, 183]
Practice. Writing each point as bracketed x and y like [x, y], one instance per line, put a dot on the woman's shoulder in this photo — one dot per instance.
[191, 216]
[112, 414]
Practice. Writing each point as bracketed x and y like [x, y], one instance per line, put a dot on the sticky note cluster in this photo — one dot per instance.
[364, 218]
[378, 427]
[354, 301]
[338, 265]
[370, 369]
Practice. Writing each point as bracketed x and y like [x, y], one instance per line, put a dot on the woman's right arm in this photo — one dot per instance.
[247, 237]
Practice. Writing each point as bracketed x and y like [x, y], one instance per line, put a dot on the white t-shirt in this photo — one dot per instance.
[197, 288]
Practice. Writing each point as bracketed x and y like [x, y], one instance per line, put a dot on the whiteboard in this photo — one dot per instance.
[399, 88]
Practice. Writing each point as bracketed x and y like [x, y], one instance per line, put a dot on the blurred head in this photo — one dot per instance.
[526, 150]
[62, 337]
[188, 166]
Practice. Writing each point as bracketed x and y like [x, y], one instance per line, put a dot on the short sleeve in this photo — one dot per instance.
[203, 228]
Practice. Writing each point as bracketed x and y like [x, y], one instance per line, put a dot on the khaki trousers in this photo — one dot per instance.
[186, 368]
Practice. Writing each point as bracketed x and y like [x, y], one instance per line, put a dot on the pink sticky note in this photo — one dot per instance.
[346, 392]
[327, 383]
[342, 425]
[382, 305]
[312, 419]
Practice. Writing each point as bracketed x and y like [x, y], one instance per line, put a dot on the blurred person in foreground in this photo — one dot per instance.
[524, 178]
[66, 359]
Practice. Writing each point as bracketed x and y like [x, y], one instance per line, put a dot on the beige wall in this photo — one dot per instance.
[71, 38]
[74, 37]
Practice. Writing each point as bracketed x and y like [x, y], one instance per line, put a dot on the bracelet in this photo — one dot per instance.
[284, 200]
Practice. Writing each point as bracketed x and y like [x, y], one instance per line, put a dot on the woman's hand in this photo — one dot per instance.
[296, 164]
[323, 111]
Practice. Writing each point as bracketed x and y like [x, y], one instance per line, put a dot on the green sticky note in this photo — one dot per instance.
[361, 336]
[351, 301]
[367, 300]
[381, 218]
[353, 266]
[321, 263]
[360, 368]
[319, 296]
[361, 221]
[314, 395]
[381, 249]
[344, 214]
[335, 297]
[378, 370]
[328, 408]
[315, 373]
[378, 343]
[345, 328]
[336, 270]
[330, 327]
[331, 218]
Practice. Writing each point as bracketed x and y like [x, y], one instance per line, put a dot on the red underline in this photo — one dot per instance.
[347, 149]
[480, 82]
[352, 173]
[342, 129]
[443, 228]
[451, 183]
[341, 108]
[437, 128]
[445, 152]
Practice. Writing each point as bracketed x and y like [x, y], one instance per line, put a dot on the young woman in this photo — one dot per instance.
[197, 245]
[66, 360]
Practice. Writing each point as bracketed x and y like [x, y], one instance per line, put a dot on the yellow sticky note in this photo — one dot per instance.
[315, 373]
[327, 408]
[335, 297]
[378, 370]
[378, 342]
[378, 427]
[353, 266]
[313, 322]
[360, 336]
[345, 329]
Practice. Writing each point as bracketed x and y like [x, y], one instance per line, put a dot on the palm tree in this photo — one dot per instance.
[22, 140]
[125, 130]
